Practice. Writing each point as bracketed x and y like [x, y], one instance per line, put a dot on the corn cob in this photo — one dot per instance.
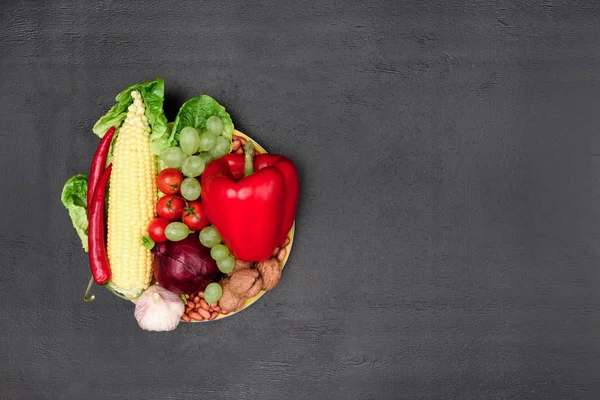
[131, 203]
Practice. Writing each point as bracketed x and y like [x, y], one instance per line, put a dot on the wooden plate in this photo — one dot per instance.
[288, 248]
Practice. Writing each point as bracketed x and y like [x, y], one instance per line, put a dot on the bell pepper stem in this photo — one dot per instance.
[248, 162]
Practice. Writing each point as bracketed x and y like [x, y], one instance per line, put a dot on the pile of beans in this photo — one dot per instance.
[280, 251]
[197, 309]
[237, 146]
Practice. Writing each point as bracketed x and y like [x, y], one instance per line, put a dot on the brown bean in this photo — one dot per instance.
[213, 315]
[217, 308]
[281, 254]
[240, 151]
[186, 318]
[204, 304]
[235, 145]
[201, 294]
[187, 309]
[190, 304]
[242, 140]
[197, 299]
[195, 315]
[286, 242]
[275, 251]
[204, 313]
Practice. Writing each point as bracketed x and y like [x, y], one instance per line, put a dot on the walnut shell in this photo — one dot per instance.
[240, 265]
[242, 281]
[229, 302]
[270, 272]
[255, 289]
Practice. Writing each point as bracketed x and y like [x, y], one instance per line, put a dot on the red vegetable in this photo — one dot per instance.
[184, 267]
[170, 207]
[194, 216]
[96, 231]
[169, 180]
[98, 163]
[156, 229]
[252, 203]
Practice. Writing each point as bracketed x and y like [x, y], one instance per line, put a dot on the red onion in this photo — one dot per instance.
[184, 267]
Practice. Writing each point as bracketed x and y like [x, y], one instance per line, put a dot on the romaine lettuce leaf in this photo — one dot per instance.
[74, 197]
[153, 94]
[196, 111]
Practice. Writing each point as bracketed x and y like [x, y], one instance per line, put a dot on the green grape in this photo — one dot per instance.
[213, 292]
[205, 155]
[209, 236]
[214, 125]
[189, 140]
[176, 231]
[190, 189]
[226, 265]
[219, 252]
[193, 166]
[222, 147]
[173, 157]
[207, 141]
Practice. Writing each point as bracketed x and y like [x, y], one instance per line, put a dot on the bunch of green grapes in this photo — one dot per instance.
[196, 149]
[210, 238]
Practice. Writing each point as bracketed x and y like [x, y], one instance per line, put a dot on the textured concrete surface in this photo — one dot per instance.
[448, 231]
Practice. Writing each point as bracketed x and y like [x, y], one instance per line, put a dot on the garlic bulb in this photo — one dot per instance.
[157, 309]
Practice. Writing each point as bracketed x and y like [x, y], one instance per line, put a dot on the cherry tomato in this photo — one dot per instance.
[170, 207]
[156, 229]
[169, 180]
[194, 216]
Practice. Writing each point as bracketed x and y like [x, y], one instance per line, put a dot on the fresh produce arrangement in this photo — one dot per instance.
[191, 221]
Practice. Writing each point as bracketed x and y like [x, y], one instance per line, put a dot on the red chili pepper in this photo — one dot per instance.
[96, 231]
[252, 212]
[98, 163]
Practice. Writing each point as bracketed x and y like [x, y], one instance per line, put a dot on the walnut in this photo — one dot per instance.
[230, 303]
[242, 281]
[255, 289]
[270, 272]
[240, 265]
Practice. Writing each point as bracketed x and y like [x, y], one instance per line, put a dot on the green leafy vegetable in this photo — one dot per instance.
[196, 111]
[153, 94]
[74, 197]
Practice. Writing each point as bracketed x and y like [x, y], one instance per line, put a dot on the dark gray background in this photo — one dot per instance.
[448, 230]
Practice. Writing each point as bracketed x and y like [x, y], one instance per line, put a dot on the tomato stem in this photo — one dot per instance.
[248, 162]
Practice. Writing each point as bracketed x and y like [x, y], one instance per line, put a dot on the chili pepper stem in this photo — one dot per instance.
[248, 162]
[87, 292]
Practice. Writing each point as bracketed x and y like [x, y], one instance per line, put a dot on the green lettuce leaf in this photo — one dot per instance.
[195, 112]
[74, 197]
[153, 94]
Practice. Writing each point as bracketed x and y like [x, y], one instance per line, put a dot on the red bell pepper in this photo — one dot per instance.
[252, 203]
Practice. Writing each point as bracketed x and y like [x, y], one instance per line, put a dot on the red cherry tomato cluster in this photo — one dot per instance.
[173, 207]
